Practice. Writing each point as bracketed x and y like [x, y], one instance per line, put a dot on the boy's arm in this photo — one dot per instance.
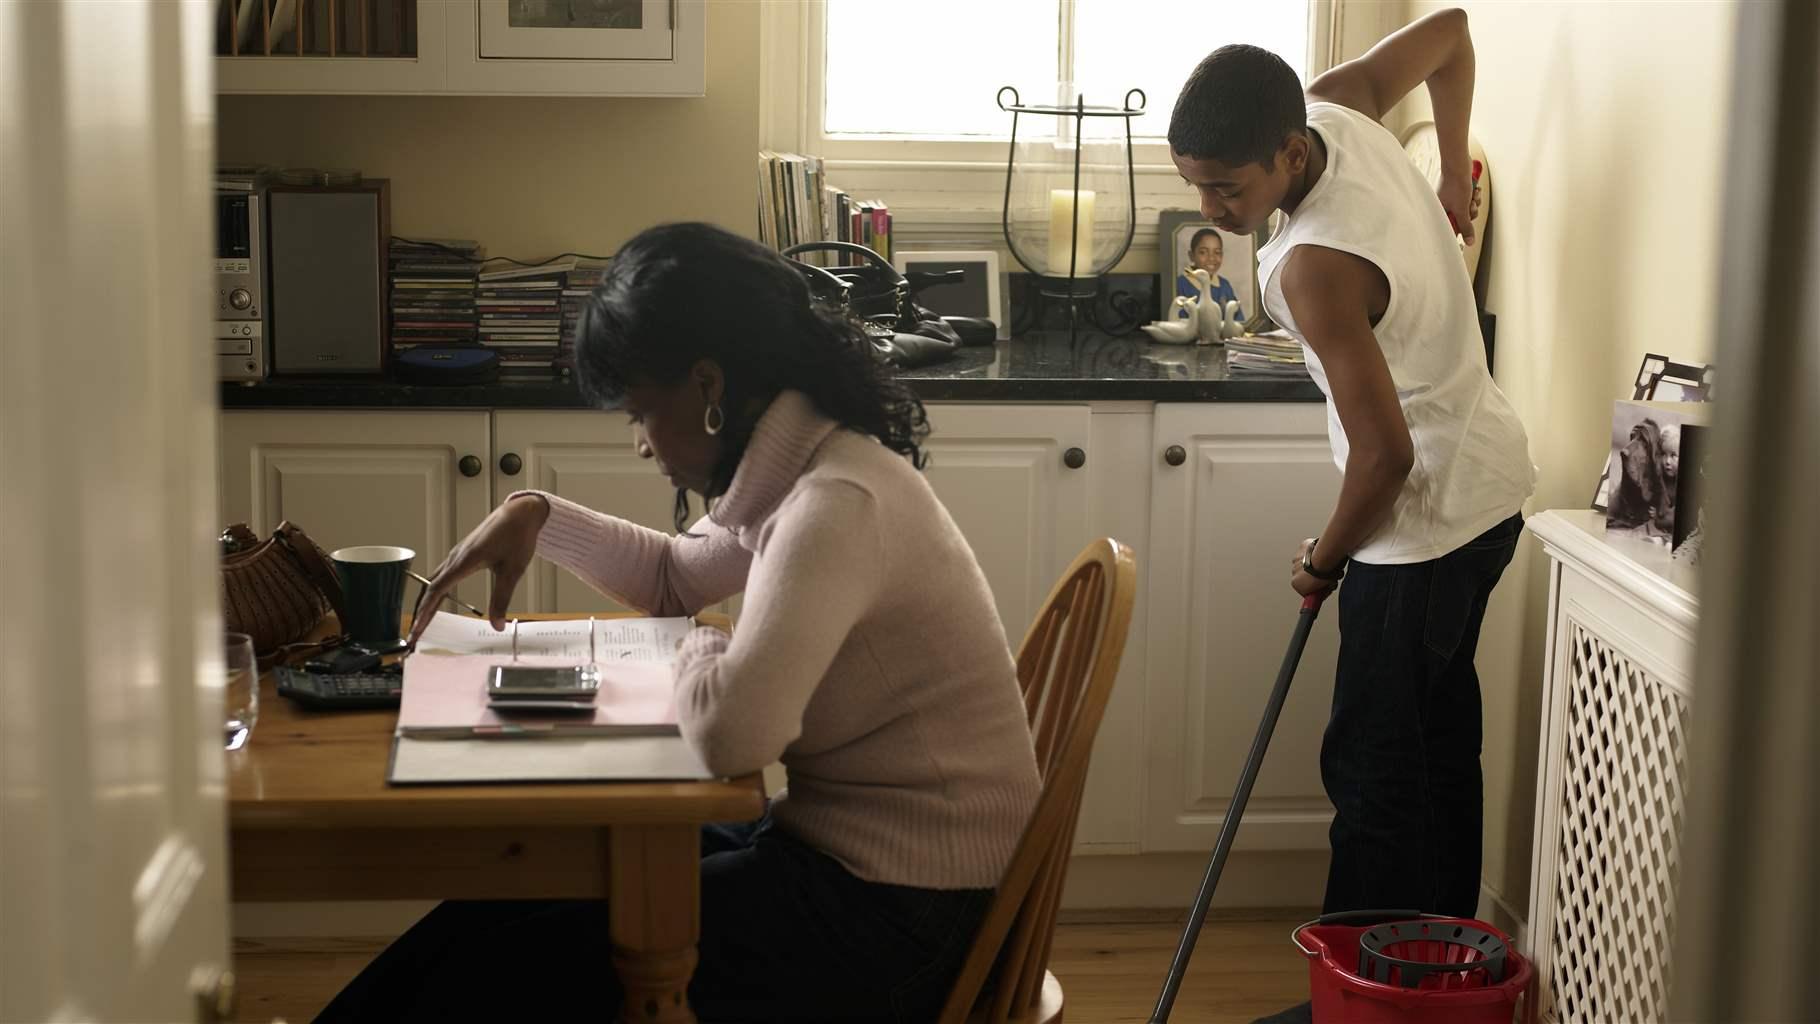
[1332, 295]
[1436, 50]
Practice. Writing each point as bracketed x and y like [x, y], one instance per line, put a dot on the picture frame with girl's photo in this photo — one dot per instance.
[1179, 233]
[1660, 379]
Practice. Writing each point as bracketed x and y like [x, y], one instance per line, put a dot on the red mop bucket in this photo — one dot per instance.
[1406, 968]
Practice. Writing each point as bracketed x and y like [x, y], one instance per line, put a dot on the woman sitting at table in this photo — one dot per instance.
[869, 659]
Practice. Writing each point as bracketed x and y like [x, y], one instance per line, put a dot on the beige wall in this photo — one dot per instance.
[1604, 131]
[531, 177]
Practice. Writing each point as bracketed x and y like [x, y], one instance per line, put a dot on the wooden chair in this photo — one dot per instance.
[1066, 666]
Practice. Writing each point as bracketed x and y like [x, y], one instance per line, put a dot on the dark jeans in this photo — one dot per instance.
[1400, 759]
[787, 934]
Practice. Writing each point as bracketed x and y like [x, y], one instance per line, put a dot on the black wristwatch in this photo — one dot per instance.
[1334, 575]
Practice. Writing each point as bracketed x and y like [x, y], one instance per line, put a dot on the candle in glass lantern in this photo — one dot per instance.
[1061, 200]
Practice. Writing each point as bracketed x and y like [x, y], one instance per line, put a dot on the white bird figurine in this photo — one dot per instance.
[1233, 327]
[1174, 331]
[1208, 315]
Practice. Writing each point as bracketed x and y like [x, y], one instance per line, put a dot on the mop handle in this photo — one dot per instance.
[1311, 607]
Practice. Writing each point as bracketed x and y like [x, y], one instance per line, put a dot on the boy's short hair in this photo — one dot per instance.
[1238, 106]
[1195, 242]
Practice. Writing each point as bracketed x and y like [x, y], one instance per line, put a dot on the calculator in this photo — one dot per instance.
[343, 691]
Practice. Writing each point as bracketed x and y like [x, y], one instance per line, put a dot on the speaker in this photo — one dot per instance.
[328, 276]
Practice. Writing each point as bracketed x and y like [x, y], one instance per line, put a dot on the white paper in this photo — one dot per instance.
[547, 759]
[613, 639]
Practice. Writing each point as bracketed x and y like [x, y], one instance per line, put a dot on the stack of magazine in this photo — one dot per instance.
[1274, 354]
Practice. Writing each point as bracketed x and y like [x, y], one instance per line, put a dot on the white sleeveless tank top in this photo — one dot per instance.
[1472, 468]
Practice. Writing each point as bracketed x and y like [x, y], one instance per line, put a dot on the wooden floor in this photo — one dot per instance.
[1110, 971]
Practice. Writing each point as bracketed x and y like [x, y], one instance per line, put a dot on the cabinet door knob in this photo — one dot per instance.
[510, 463]
[1074, 458]
[469, 465]
[1175, 455]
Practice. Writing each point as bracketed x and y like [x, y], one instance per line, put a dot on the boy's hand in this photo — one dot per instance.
[1303, 583]
[1459, 196]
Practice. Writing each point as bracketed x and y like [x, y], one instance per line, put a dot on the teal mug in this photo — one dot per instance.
[372, 586]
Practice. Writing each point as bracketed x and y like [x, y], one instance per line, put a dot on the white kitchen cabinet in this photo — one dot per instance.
[586, 457]
[1212, 535]
[1003, 473]
[352, 478]
[462, 47]
[1251, 482]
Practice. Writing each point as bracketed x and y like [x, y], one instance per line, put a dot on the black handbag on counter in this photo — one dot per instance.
[882, 300]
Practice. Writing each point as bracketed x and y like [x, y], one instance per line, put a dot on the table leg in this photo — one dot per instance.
[654, 903]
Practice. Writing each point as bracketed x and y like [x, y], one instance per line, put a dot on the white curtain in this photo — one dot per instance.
[1751, 889]
[112, 890]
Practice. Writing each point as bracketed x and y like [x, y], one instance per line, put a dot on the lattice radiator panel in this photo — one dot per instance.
[1620, 806]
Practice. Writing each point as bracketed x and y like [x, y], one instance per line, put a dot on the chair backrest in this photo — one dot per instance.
[1066, 667]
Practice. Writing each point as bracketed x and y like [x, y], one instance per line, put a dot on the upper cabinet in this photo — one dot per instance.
[466, 47]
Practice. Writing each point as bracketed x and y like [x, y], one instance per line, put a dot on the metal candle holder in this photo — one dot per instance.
[1071, 288]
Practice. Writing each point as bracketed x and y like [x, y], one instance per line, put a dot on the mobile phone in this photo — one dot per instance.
[523, 686]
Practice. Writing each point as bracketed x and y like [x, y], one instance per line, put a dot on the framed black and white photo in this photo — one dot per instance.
[1186, 240]
[575, 29]
[1641, 483]
[977, 294]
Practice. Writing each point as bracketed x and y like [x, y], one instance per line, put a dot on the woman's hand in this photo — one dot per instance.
[1459, 196]
[504, 542]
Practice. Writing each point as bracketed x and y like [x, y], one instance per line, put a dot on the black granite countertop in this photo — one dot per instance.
[1039, 367]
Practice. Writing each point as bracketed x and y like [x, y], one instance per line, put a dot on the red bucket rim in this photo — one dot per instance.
[1516, 976]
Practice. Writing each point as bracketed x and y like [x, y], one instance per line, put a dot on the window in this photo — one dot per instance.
[929, 70]
[897, 96]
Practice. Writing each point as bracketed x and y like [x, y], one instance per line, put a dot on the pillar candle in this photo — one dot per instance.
[1060, 201]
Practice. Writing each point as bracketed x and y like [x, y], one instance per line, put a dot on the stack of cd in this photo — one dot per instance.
[520, 317]
[576, 287]
[433, 285]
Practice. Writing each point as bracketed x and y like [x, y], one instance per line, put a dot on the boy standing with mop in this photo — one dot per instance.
[1366, 273]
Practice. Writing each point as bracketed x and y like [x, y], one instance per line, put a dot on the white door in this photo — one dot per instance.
[586, 457]
[1003, 473]
[416, 479]
[1253, 481]
[112, 863]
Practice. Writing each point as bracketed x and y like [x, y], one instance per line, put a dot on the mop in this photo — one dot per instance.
[1311, 607]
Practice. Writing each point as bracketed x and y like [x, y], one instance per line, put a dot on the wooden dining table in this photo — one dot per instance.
[311, 817]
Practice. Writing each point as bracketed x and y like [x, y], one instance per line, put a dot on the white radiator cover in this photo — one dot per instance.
[1617, 701]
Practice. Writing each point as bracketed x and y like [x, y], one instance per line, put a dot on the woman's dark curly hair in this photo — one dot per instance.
[680, 293]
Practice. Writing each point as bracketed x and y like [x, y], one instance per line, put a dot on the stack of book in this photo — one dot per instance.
[577, 285]
[1275, 354]
[796, 204]
[433, 285]
[521, 316]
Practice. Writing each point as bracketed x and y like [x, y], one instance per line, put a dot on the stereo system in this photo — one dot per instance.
[300, 276]
[240, 279]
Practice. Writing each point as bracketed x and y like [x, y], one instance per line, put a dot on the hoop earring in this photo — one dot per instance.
[712, 420]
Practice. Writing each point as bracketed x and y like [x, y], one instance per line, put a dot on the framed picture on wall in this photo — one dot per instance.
[575, 29]
[1186, 240]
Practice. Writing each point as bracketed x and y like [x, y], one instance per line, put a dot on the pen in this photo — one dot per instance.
[464, 732]
[447, 597]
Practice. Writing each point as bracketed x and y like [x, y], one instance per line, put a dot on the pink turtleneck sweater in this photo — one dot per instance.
[869, 657]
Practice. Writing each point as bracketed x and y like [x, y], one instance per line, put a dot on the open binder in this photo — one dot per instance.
[447, 733]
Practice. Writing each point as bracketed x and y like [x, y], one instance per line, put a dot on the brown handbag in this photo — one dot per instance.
[277, 590]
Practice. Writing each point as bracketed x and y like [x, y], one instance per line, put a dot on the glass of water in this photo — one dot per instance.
[240, 698]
